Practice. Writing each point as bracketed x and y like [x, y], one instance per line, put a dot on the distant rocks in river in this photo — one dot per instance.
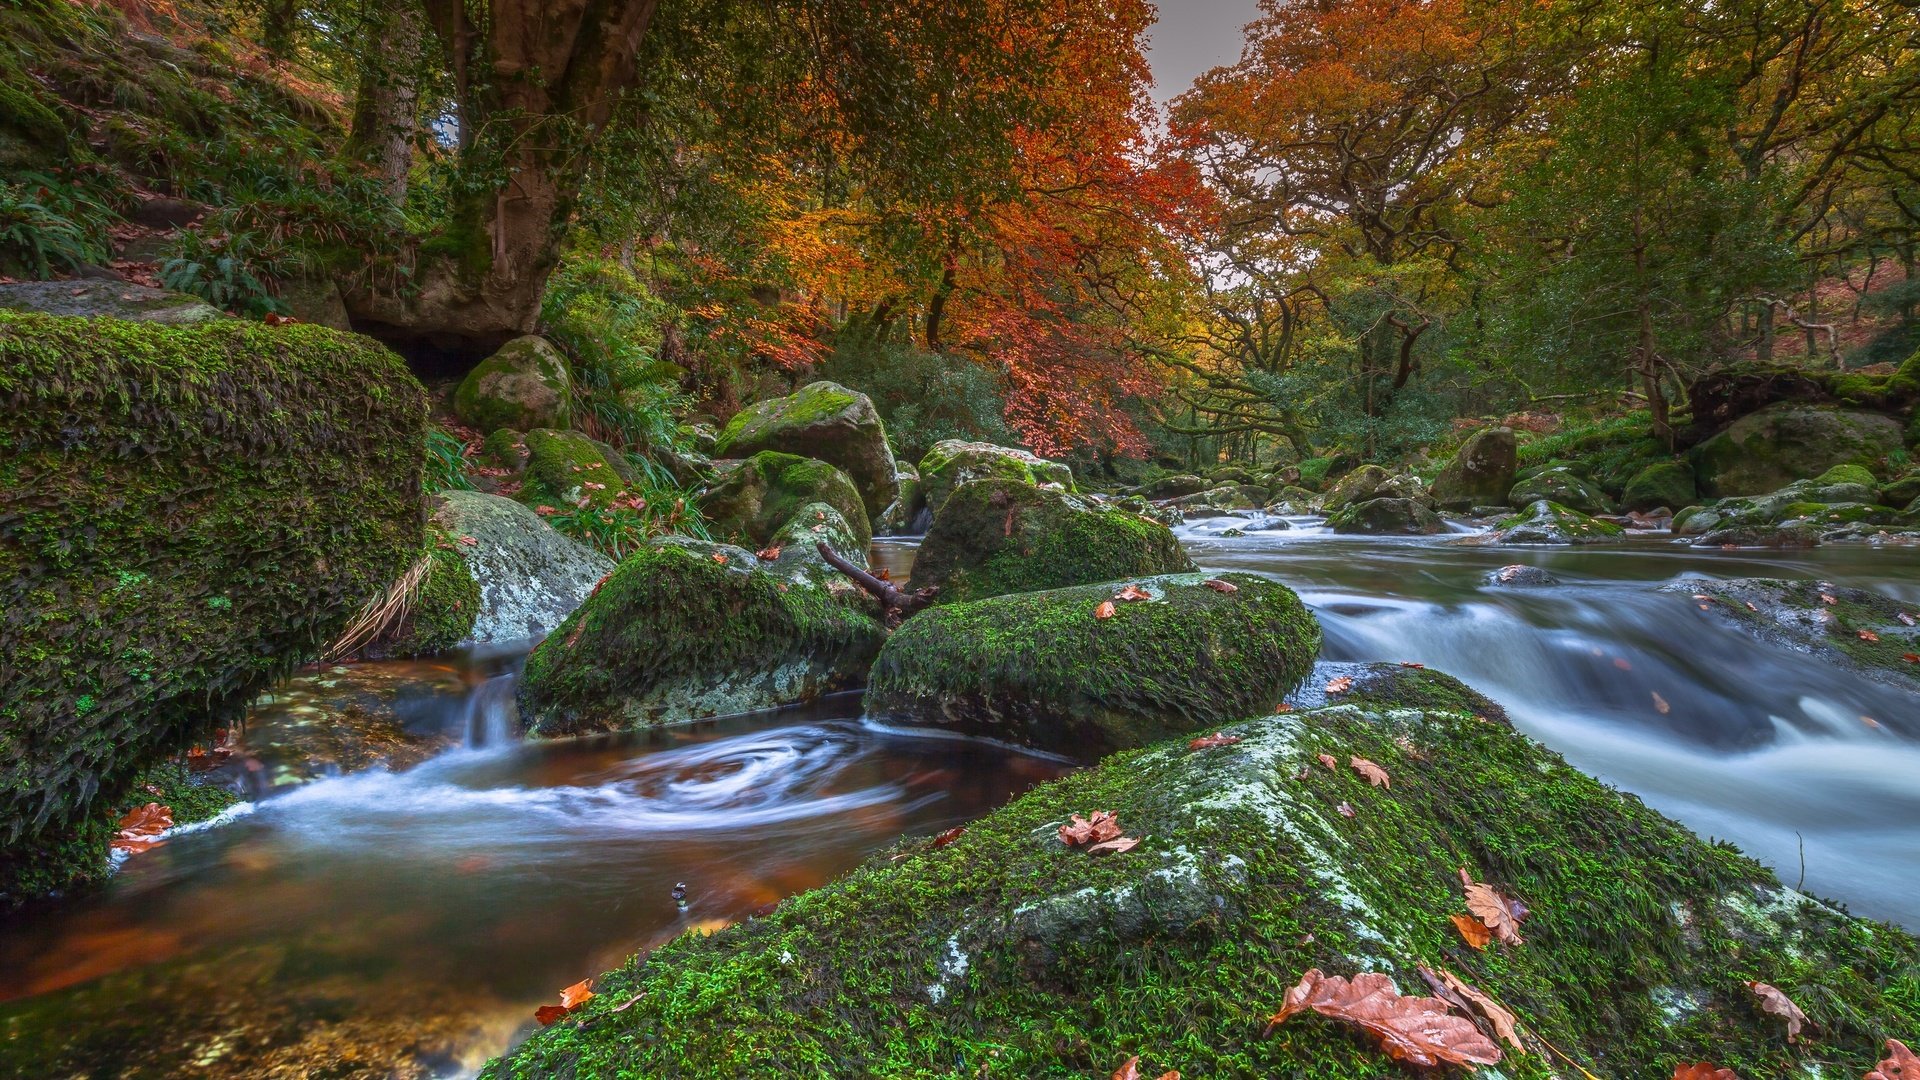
[1521, 576]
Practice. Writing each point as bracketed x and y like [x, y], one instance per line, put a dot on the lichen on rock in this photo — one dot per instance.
[530, 577]
[525, 384]
[750, 500]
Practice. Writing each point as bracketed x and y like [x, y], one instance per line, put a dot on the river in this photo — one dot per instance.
[407, 923]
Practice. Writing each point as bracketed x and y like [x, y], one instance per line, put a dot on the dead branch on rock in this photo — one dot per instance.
[896, 603]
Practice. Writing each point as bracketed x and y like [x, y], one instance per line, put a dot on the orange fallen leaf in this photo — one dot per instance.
[1283, 707]
[1131, 1071]
[1828, 599]
[1114, 846]
[719, 558]
[1208, 742]
[1133, 592]
[1099, 828]
[1340, 684]
[1329, 761]
[1911, 658]
[1104, 611]
[1221, 586]
[1473, 930]
[1506, 1026]
[546, 1015]
[571, 998]
[768, 553]
[1701, 1070]
[1901, 1064]
[1868, 635]
[140, 830]
[1660, 704]
[1501, 913]
[1375, 775]
[1773, 1000]
[1418, 1030]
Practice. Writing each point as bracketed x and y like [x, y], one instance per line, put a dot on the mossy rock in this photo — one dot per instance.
[186, 513]
[524, 385]
[827, 422]
[1545, 522]
[1782, 443]
[1561, 484]
[797, 544]
[529, 576]
[566, 468]
[750, 500]
[1903, 490]
[1481, 473]
[442, 610]
[1004, 536]
[1663, 483]
[1796, 614]
[1357, 486]
[1835, 505]
[1042, 669]
[1003, 953]
[684, 630]
[952, 462]
[1174, 487]
[107, 299]
[1386, 516]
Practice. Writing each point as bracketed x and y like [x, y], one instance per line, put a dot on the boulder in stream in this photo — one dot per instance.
[827, 422]
[107, 299]
[1768, 449]
[530, 576]
[1004, 536]
[952, 462]
[1386, 515]
[1563, 486]
[1545, 522]
[1260, 860]
[1047, 669]
[1839, 504]
[684, 630]
[1480, 473]
[750, 500]
[1863, 633]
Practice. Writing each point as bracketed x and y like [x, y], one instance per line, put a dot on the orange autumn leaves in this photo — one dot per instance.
[142, 828]
[1417, 1030]
[1096, 835]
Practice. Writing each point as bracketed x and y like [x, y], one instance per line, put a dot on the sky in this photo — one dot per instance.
[1192, 36]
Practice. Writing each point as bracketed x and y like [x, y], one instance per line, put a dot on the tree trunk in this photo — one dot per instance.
[937, 307]
[386, 102]
[276, 28]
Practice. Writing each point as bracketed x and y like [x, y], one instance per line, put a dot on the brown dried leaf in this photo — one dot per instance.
[1208, 742]
[1102, 826]
[1660, 704]
[1221, 586]
[1505, 1025]
[1701, 1070]
[141, 828]
[1773, 1000]
[1340, 684]
[1501, 913]
[1115, 846]
[1473, 930]
[948, 837]
[1868, 635]
[1344, 810]
[1911, 658]
[1133, 592]
[1828, 599]
[1332, 763]
[1418, 1030]
[1283, 707]
[1375, 775]
[1104, 611]
[768, 553]
[1131, 1071]
[1900, 1064]
[719, 558]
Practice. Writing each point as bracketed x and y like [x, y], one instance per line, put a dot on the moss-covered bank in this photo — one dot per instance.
[185, 513]
[1005, 954]
[1043, 669]
[684, 630]
[1004, 536]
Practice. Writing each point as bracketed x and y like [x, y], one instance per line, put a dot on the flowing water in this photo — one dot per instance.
[406, 923]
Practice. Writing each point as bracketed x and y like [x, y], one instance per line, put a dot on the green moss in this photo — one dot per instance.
[1797, 612]
[1663, 483]
[1003, 536]
[171, 784]
[811, 404]
[1608, 451]
[187, 512]
[1044, 669]
[754, 498]
[442, 611]
[1005, 954]
[568, 468]
[953, 462]
[523, 385]
[683, 630]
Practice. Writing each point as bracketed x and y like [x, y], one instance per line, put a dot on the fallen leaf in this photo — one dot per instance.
[470, 541]
[1340, 684]
[571, 998]
[141, 828]
[1660, 704]
[1329, 761]
[1868, 635]
[948, 837]
[1869, 721]
[1505, 1025]
[1104, 611]
[1911, 658]
[1701, 1070]
[1901, 1064]
[1907, 618]
[1375, 775]
[1221, 586]
[1133, 592]
[1473, 930]
[1772, 1000]
[1131, 1071]
[1828, 599]
[1099, 828]
[1411, 664]
[546, 1015]
[1283, 707]
[1501, 913]
[1208, 742]
[1418, 1030]
[1750, 606]
[1115, 846]
[1344, 810]
[719, 558]
[768, 553]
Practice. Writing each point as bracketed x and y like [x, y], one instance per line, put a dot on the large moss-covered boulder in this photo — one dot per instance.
[1481, 474]
[570, 469]
[1561, 485]
[1003, 536]
[108, 299]
[1663, 483]
[684, 630]
[1386, 515]
[529, 576]
[750, 500]
[1769, 449]
[524, 385]
[1838, 504]
[1044, 669]
[186, 513]
[827, 422]
[1357, 486]
[952, 462]
[1544, 522]
[1174, 487]
[794, 550]
[1002, 952]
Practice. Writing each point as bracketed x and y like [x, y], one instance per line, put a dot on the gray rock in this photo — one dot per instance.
[1386, 515]
[1521, 576]
[1545, 522]
[113, 299]
[522, 386]
[531, 577]
[1482, 472]
[952, 462]
[1564, 486]
[1769, 449]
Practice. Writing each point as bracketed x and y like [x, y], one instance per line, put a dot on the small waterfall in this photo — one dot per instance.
[492, 719]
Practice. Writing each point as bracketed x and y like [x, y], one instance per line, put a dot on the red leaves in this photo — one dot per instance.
[1501, 913]
[1208, 742]
[1911, 658]
[1701, 1070]
[1772, 1000]
[1340, 684]
[1375, 775]
[571, 998]
[719, 558]
[1221, 586]
[141, 828]
[1417, 1030]
[768, 553]
[948, 837]
[1900, 1064]
[1131, 593]
[1099, 834]
[1105, 610]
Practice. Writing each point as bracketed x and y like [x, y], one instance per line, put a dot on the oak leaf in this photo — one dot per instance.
[1506, 1026]
[141, 828]
[1332, 764]
[1900, 1064]
[1208, 742]
[1221, 586]
[1114, 846]
[1773, 1000]
[1418, 1030]
[1375, 775]
[1473, 930]
[1701, 1070]
[1101, 827]
[1340, 684]
[1133, 592]
[1104, 611]
[1501, 913]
